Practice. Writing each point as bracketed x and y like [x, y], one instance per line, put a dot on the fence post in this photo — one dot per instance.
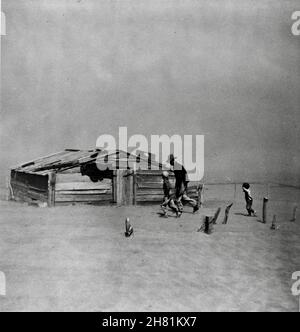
[215, 217]
[227, 214]
[265, 203]
[128, 228]
[207, 225]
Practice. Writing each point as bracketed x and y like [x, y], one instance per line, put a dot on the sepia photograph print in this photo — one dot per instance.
[150, 158]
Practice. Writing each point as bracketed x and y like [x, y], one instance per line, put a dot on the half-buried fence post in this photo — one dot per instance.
[128, 228]
[216, 216]
[207, 225]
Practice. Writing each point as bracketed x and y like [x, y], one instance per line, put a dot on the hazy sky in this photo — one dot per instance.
[230, 70]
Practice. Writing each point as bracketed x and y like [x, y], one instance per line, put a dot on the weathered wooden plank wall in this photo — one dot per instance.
[123, 187]
[128, 187]
[71, 188]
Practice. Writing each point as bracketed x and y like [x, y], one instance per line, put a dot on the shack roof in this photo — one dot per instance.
[72, 158]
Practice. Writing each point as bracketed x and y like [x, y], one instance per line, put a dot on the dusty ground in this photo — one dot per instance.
[77, 258]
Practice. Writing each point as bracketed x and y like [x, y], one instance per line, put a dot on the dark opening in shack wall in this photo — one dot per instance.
[28, 187]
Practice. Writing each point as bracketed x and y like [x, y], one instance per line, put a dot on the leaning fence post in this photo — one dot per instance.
[294, 214]
[265, 203]
[227, 214]
[215, 217]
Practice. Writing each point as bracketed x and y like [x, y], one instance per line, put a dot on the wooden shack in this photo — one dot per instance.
[77, 177]
[57, 180]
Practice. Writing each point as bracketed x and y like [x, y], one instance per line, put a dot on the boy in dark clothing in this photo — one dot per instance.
[181, 185]
[248, 199]
[168, 199]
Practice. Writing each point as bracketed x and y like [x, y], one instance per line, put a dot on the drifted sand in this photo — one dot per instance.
[77, 258]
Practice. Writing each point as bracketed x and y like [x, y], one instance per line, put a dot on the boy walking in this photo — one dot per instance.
[248, 199]
[168, 199]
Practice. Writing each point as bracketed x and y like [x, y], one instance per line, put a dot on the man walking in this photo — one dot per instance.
[181, 185]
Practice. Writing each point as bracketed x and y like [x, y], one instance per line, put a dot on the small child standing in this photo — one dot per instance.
[249, 199]
[168, 199]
